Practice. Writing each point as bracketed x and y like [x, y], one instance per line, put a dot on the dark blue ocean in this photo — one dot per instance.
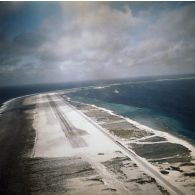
[167, 105]
[9, 92]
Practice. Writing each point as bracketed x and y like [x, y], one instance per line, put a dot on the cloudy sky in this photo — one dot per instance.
[43, 42]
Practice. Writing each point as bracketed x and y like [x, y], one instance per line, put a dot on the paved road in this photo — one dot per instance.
[152, 172]
[141, 162]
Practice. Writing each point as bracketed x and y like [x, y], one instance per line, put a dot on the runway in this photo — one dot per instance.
[84, 136]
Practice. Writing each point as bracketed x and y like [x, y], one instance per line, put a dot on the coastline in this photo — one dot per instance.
[171, 156]
[170, 137]
[5, 104]
[17, 140]
[180, 172]
[145, 103]
[109, 170]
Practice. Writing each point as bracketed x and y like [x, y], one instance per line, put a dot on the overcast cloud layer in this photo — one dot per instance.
[62, 41]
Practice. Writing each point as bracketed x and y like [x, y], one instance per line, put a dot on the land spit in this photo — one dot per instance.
[49, 147]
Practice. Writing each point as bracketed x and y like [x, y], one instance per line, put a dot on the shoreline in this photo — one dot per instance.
[63, 132]
[170, 137]
[180, 173]
[5, 104]
[172, 157]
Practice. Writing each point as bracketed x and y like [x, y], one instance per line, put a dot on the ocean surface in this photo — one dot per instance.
[9, 92]
[166, 105]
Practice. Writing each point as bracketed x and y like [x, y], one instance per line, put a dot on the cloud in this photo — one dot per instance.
[96, 40]
[167, 44]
